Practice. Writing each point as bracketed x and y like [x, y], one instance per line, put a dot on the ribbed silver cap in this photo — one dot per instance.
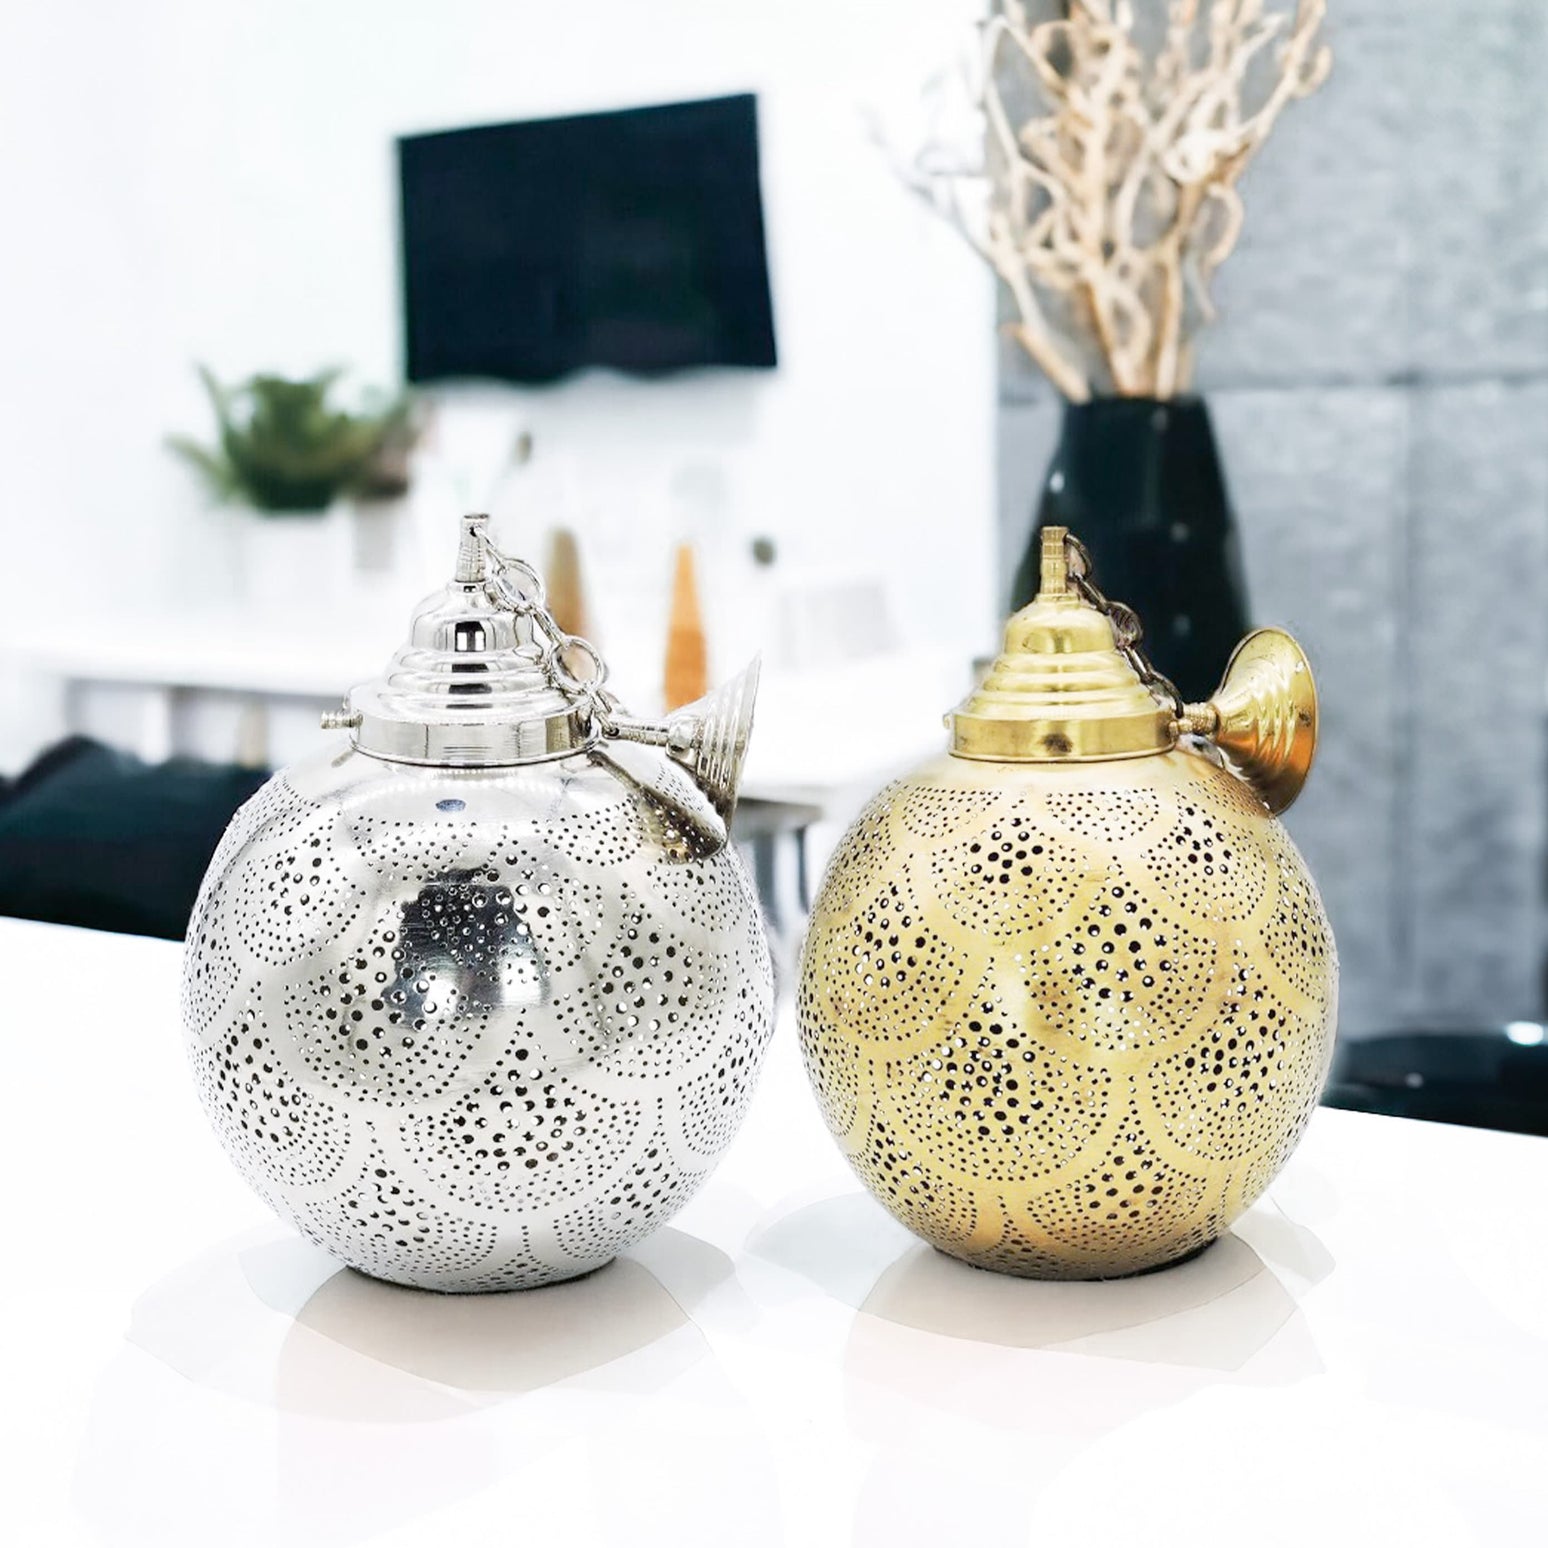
[468, 690]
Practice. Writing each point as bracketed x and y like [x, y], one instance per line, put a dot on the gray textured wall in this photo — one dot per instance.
[1379, 380]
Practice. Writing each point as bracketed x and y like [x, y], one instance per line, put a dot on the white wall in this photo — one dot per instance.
[208, 180]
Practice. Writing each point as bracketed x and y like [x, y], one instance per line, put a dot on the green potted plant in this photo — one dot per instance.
[285, 449]
[290, 456]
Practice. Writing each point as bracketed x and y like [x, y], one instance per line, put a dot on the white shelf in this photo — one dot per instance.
[827, 738]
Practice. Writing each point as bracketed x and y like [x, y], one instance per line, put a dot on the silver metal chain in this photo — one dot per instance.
[520, 588]
[1126, 626]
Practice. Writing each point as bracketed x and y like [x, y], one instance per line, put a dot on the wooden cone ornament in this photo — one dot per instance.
[687, 658]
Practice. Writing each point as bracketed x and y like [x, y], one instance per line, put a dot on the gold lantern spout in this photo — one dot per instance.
[1072, 685]
[1263, 716]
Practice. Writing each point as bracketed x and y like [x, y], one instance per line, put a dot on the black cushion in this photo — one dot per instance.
[1482, 1079]
[91, 836]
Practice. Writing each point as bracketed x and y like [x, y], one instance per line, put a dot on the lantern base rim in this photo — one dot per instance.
[1079, 1278]
[559, 1277]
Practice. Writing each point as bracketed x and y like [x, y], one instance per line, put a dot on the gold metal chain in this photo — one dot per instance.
[1127, 630]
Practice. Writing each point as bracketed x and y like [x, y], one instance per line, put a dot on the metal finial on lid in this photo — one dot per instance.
[471, 552]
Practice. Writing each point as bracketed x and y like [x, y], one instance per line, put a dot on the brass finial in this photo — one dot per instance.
[1054, 579]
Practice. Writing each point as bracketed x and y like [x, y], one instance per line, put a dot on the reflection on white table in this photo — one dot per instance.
[1367, 1354]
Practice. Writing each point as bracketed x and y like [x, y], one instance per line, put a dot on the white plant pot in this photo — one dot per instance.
[284, 561]
[385, 543]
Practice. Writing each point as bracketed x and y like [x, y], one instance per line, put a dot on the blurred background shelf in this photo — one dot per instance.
[248, 685]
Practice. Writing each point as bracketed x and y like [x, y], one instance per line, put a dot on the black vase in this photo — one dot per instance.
[1138, 481]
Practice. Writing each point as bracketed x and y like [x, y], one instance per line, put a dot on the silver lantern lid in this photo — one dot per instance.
[487, 679]
[474, 687]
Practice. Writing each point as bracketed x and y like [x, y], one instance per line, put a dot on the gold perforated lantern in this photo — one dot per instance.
[1068, 995]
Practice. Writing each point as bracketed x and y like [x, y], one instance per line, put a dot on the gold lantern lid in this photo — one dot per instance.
[1061, 690]
[1072, 686]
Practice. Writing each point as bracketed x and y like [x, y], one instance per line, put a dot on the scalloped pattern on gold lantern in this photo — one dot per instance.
[1068, 1024]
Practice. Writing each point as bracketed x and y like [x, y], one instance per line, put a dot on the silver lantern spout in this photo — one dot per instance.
[477, 997]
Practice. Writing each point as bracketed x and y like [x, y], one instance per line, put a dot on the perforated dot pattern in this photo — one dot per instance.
[478, 1051]
[1067, 1026]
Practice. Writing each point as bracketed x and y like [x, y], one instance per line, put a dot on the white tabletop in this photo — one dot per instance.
[1367, 1354]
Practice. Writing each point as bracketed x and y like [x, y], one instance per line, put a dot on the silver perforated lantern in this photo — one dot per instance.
[476, 996]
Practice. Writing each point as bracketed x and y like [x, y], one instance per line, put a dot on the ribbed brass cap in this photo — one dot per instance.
[1061, 691]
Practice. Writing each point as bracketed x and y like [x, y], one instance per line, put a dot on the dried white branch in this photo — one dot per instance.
[1103, 189]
